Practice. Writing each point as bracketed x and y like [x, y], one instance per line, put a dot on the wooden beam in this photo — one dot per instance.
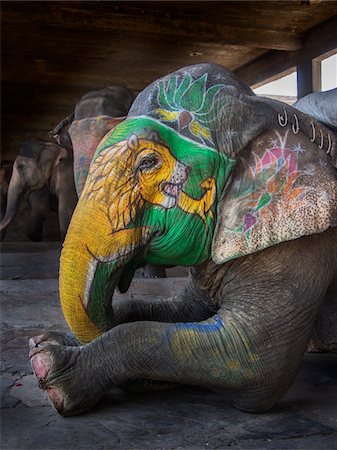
[67, 57]
[316, 75]
[318, 41]
[304, 78]
[77, 18]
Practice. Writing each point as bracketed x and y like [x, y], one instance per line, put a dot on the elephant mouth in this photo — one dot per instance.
[98, 302]
[172, 189]
[116, 275]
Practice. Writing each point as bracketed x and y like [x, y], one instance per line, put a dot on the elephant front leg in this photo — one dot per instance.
[191, 304]
[58, 370]
[214, 353]
[40, 205]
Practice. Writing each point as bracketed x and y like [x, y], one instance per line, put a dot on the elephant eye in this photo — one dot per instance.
[147, 162]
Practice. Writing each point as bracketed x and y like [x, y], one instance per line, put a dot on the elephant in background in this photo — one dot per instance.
[322, 106]
[6, 169]
[42, 172]
[96, 114]
[241, 189]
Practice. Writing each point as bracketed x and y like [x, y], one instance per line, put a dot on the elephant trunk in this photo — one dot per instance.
[15, 192]
[91, 266]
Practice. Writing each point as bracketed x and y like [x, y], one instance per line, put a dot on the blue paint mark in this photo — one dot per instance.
[212, 326]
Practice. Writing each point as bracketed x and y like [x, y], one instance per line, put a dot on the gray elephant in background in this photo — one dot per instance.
[42, 173]
[95, 114]
[6, 169]
[322, 106]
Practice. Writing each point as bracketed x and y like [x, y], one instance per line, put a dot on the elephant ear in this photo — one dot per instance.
[61, 134]
[283, 186]
[49, 157]
[85, 135]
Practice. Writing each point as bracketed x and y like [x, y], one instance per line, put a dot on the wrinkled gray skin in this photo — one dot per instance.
[42, 171]
[112, 101]
[270, 301]
[322, 106]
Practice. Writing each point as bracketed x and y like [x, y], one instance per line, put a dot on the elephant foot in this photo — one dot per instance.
[57, 338]
[61, 376]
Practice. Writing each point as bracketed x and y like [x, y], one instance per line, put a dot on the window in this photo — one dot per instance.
[329, 73]
[283, 88]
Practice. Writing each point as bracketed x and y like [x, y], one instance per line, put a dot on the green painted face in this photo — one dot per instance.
[151, 196]
[179, 184]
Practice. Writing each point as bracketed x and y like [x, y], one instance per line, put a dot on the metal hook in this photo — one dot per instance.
[282, 120]
[329, 144]
[321, 144]
[313, 132]
[295, 127]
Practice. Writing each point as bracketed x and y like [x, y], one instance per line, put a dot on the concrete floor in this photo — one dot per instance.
[186, 417]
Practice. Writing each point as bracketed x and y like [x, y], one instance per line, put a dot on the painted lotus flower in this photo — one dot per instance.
[269, 180]
[189, 103]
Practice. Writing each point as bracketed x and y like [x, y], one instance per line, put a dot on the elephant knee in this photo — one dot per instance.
[258, 400]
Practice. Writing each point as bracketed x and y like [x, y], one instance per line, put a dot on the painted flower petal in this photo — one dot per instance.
[171, 87]
[161, 98]
[168, 116]
[277, 182]
[184, 119]
[199, 131]
[248, 222]
[209, 98]
[195, 128]
[212, 113]
[263, 201]
[184, 85]
[193, 98]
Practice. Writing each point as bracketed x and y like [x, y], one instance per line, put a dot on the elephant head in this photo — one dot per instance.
[32, 170]
[201, 169]
[95, 114]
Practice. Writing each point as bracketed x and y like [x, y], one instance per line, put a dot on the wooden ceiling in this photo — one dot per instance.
[53, 52]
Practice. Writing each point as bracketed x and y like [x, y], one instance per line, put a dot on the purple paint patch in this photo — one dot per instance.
[249, 221]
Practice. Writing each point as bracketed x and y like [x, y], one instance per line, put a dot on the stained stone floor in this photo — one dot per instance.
[186, 418]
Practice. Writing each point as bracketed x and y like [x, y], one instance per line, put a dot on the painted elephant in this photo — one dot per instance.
[242, 189]
[41, 170]
[96, 113]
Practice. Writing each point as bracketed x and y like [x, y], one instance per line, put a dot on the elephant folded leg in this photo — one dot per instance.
[215, 354]
[211, 354]
[252, 347]
[191, 304]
